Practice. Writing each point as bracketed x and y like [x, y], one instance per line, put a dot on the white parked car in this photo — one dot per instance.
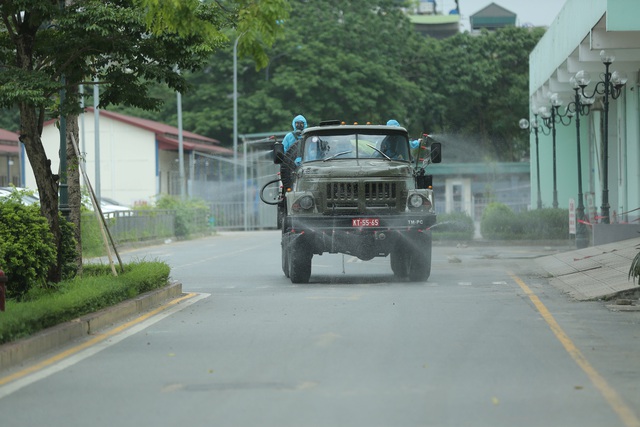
[109, 205]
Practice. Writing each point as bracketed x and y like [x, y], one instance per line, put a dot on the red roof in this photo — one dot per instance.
[9, 142]
[167, 136]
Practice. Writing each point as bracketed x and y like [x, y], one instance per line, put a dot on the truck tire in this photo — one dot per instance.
[420, 265]
[285, 259]
[400, 262]
[412, 260]
[299, 256]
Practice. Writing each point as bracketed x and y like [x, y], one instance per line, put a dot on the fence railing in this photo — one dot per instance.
[141, 225]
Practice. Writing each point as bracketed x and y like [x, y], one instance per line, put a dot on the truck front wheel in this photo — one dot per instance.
[299, 256]
[285, 259]
[412, 258]
[420, 265]
[400, 262]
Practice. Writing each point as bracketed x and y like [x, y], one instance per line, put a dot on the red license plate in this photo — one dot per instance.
[365, 222]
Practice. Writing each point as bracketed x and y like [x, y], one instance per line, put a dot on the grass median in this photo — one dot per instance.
[96, 289]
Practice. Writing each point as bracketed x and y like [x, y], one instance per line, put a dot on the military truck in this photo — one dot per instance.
[357, 190]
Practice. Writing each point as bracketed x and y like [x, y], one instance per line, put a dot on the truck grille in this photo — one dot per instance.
[342, 191]
[380, 191]
[344, 196]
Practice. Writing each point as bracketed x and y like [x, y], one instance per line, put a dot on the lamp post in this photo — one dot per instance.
[235, 107]
[63, 187]
[535, 125]
[550, 120]
[610, 86]
[580, 106]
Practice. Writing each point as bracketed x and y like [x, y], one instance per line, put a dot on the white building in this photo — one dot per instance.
[608, 139]
[9, 158]
[138, 158]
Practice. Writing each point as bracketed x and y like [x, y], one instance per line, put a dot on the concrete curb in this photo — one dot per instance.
[14, 353]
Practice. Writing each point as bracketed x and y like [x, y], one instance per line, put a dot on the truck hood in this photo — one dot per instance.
[356, 168]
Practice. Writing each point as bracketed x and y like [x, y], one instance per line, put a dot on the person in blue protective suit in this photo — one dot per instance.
[414, 143]
[299, 123]
[292, 157]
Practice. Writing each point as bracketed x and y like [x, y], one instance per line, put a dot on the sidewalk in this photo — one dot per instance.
[593, 273]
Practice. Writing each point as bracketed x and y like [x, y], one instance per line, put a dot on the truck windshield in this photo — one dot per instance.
[351, 146]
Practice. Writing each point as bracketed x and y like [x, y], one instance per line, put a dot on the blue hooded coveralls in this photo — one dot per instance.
[292, 136]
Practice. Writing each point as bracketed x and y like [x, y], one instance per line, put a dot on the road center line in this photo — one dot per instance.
[73, 355]
[612, 397]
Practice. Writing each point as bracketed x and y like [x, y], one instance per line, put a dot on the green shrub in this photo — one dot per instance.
[27, 251]
[546, 223]
[499, 222]
[454, 226]
[26, 246]
[191, 214]
[95, 290]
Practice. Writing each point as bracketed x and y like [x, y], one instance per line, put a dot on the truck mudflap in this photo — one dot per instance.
[320, 223]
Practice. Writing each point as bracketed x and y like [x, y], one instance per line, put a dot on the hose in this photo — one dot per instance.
[269, 202]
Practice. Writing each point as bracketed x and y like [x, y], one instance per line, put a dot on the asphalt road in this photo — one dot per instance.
[485, 342]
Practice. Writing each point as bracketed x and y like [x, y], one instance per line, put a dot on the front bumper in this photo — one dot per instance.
[336, 234]
[323, 223]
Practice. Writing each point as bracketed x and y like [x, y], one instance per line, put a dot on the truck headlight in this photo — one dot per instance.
[306, 202]
[416, 200]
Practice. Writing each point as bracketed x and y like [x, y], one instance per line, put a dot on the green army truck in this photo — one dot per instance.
[359, 190]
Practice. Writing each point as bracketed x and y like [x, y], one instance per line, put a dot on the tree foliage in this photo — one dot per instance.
[364, 61]
[128, 47]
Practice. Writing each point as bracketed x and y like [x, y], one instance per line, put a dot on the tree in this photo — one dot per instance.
[364, 61]
[483, 81]
[346, 60]
[49, 47]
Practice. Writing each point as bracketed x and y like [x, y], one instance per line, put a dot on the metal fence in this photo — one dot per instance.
[142, 225]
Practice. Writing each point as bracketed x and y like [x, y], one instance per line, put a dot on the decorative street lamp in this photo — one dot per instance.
[534, 127]
[610, 85]
[550, 119]
[580, 106]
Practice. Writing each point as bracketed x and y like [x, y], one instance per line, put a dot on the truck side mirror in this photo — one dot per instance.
[436, 152]
[278, 153]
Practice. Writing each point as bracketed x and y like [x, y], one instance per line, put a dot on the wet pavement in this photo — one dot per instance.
[593, 273]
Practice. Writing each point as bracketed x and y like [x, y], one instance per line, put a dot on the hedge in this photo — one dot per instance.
[96, 289]
[499, 222]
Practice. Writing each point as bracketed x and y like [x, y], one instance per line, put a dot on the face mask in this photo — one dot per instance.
[299, 126]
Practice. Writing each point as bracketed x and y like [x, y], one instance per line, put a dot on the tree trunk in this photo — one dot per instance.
[47, 182]
[73, 181]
